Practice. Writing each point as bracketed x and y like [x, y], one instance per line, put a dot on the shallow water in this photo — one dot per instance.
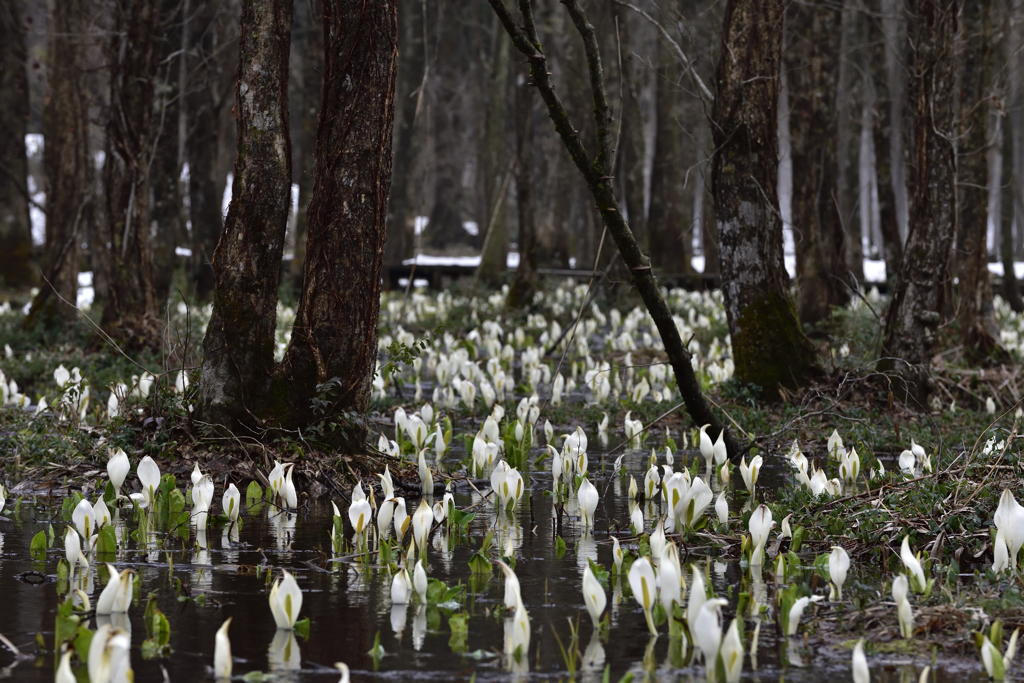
[348, 602]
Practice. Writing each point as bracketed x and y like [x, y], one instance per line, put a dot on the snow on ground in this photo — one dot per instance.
[997, 269]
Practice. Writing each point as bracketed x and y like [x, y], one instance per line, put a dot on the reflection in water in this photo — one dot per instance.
[398, 618]
[419, 628]
[284, 653]
[116, 620]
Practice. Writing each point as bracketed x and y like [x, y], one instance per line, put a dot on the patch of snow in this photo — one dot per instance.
[997, 269]
[182, 251]
[86, 292]
[85, 278]
[471, 227]
[698, 263]
[418, 282]
[420, 224]
[431, 260]
[33, 144]
[572, 262]
[513, 259]
[874, 270]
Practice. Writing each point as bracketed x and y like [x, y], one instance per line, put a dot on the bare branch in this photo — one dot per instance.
[706, 94]
[602, 114]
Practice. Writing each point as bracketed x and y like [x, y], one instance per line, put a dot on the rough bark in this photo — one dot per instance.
[204, 103]
[812, 69]
[1010, 289]
[66, 162]
[493, 220]
[595, 171]
[310, 52]
[525, 282]
[16, 269]
[408, 102]
[769, 348]
[335, 333]
[238, 351]
[978, 328]
[919, 299]
[893, 25]
[130, 312]
[629, 157]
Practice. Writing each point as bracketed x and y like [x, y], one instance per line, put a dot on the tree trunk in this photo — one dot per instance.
[769, 348]
[69, 192]
[238, 351]
[493, 223]
[310, 52]
[812, 69]
[630, 154]
[978, 328]
[16, 269]
[408, 101]
[167, 213]
[878, 96]
[1014, 222]
[335, 333]
[1011, 203]
[920, 295]
[894, 45]
[525, 282]
[847, 141]
[130, 313]
[668, 221]
[203, 112]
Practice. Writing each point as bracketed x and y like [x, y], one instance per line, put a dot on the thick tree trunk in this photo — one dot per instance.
[310, 52]
[920, 295]
[16, 269]
[493, 220]
[978, 327]
[525, 282]
[1011, 202]
[335, 333]
[69, 193]
[1014, 222]
[812, 69]
[769, 348]
[238, 352]
[893, 24]
[203, 112]
[130, 312]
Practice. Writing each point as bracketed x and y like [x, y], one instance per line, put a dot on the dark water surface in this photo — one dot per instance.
[349, 602]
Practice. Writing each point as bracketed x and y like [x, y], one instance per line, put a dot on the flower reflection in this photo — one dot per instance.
[284, 653]
[419, 628]
[398, 618]
[116, 620]
[282, 525]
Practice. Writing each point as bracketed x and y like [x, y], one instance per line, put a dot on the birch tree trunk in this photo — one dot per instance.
[238, 351]
[130, 312]
[769, 347]
[335, 333]
[16, 269]
[924, 276]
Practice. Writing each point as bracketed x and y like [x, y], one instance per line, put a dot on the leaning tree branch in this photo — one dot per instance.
[599, 182]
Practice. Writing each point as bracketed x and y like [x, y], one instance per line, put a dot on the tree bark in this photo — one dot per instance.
[1014, 223]
[205, 186]
[848, 93]
[924, 276]
[238, 351]
[16, 269]
[978, 328]
[408, 102]
[812, 69]
[493, 221]
[525, 282]
[335, 333]
[310, 52]
[769, 348]
[130, 312]
[668, 221]
[69, 193]
[629, 157]
[877, 96]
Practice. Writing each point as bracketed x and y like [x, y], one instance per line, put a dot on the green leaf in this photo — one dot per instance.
[82, 642]
[559, 547]
[459, 640]
[106, 543]
[376, 652]
[253, 493]
[599, 572]
[66, 627]
[109, 495]
[38, 547]
[301, 628]
[49, 536]
[478, 564]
